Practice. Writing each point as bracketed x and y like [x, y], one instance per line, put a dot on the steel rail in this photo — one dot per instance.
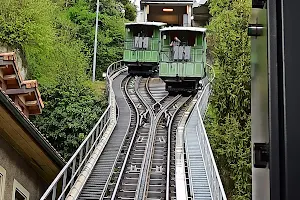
[150, 96]
[157, 96]
[172, 120]
[129, 148]
[148, 152]
[129, 178]
[125, 92]
[151, 113]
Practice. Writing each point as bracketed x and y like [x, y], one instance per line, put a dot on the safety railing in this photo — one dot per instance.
[151, 44]
[215, 183]
[68, 175]
[183, 54]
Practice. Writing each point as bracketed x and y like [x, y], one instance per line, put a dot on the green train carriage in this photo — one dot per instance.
[183, 66]
[141, 48]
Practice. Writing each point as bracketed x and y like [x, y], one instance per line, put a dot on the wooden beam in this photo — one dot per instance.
[10, 77]
[19, 91]
[6, 63]
[3, 66]
[1, 74]
[31, 103]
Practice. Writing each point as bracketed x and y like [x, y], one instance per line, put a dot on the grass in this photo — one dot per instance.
[99, 87]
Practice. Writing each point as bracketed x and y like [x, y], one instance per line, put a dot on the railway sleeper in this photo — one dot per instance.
[160, 152]
[154, 165]
[138, 154]
[156, 188]
[160, 158]
[129, 186]
[130, 177]
[129, 181]
[127, 193]
[156, 176]
[139, 148]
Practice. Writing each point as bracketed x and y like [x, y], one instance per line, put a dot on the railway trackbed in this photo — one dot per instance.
[143, 166]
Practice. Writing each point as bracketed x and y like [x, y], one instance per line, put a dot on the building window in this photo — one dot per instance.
[2, 182]
[19, 192]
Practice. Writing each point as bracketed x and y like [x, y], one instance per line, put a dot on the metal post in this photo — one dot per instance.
[276, 112]
[95, 45]
[259, 102]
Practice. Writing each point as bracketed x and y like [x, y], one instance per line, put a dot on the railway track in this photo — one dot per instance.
[128, 87]
[97, 181]
[158, 173]
[171, 187]
[141, 167]
[127, 182]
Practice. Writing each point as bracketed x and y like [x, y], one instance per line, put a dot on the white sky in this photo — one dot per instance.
[137, 3]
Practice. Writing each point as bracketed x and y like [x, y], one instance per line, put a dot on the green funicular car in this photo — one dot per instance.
[141, 52]
[182, 58]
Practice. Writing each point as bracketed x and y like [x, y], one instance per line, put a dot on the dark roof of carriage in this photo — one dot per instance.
[146, 23]
[182, 28]
[167, 1]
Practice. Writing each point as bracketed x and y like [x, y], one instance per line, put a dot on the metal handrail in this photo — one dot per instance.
[153, 45]
[215, 183]
[166, 55]
[71, 170]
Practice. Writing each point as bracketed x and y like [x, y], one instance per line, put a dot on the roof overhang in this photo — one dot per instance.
[20, 133]
[171, 3]
[182, 28]
[158, 24]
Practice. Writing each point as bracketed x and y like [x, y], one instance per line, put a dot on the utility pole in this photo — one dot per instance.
[95, 45]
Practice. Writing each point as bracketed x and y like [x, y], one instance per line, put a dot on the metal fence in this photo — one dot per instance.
[183, 54]
[140, 43]
[66, 178]
[215, 183]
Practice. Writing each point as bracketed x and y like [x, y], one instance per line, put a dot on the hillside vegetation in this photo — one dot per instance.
[228, 120]
[56, 39]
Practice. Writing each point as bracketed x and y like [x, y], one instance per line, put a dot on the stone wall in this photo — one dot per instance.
[21, 66]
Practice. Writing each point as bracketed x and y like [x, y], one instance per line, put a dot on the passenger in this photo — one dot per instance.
[175, 42]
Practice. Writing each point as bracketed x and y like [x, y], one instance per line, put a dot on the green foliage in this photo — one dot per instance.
[57, 37]
[70, 113]
[23, 22]
[130, 11]
[110, 45]
[228, 121]
[110, 33]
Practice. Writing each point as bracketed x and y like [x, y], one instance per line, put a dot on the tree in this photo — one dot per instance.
[110, 33]
[71, 111]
